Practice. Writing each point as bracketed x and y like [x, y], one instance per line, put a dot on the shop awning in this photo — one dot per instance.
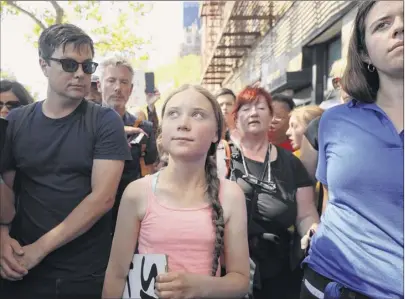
[291, 80]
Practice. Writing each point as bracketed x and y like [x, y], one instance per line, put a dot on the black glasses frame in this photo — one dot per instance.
[70, 65]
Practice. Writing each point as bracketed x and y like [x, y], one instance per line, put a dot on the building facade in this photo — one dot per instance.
[296, 54]
[191, 29]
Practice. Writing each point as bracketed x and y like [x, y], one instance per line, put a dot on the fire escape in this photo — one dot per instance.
[230, 29]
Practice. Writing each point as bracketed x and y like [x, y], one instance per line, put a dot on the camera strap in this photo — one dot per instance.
[267, 167]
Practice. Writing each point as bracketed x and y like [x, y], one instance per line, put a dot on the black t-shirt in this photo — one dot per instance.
[275, 211]
[3, 128]
[132, 169]
[54, 158]
[312, 132]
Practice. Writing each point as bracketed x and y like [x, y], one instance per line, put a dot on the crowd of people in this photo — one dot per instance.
[248, 195]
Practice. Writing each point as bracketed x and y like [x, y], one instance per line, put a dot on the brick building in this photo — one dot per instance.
[285, 46]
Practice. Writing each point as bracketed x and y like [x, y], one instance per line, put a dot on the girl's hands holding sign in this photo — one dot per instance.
[177, 286]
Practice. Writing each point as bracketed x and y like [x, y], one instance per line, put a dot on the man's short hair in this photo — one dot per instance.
[281, 98]
[59, 35]
[115, 61]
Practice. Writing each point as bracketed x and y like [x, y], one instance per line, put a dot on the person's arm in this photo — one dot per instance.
[325, 198]
[106, 175]
[309, 157]
[235, 284]
[11, 250]
[151, 110]
[130, 214]
[7, 172]
[151, 153]
[153, 118]
[307, 215]
[111, 149]
[7, 206]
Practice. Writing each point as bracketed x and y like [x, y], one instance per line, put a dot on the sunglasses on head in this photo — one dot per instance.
[10, 105]
[70, 65]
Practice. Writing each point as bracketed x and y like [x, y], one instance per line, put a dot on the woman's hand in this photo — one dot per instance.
[305, 240]
[177, 286]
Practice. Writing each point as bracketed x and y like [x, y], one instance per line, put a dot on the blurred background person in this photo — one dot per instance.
[226, 99]
[309, 144]
[116, 87]
[299, 119]
[279, 197]
[12, 95]
[282, 106]
[94, 95]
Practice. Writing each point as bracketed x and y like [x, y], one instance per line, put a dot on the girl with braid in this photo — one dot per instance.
[185, 211]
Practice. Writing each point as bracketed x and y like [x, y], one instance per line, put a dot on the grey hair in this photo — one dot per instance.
[115, 61]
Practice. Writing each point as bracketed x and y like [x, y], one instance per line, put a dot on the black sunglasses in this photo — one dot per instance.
[10, 105]
[70, 65]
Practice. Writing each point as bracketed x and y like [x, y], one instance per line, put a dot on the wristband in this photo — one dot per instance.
[5, 224]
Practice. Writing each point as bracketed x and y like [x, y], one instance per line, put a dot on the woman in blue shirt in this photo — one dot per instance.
[357, 250]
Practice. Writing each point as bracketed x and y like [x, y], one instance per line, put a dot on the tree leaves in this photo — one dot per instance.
[118, 37]
[185, 70]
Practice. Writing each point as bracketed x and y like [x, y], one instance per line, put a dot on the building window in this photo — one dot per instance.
[333, 54]
[188, 39]
[334, 48]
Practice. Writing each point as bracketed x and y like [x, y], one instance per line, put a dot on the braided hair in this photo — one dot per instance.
[211, 176]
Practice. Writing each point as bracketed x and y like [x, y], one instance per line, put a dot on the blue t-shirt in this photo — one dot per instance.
[360, 241]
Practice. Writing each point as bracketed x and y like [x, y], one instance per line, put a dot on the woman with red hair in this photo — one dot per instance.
[279, 196]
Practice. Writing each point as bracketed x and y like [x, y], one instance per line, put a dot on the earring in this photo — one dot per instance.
[371, 68]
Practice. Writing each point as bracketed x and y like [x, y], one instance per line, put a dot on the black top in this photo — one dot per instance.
[275, 210]
[132, 168]
[312, 133]
[3, 128]
[54, 158]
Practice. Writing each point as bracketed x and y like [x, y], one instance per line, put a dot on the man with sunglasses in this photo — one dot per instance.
[68, 154]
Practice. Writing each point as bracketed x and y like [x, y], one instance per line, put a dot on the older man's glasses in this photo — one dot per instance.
[10, 105]
[70, 65]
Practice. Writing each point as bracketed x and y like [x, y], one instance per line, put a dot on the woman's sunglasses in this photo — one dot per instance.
[70, 65]
[10, 105]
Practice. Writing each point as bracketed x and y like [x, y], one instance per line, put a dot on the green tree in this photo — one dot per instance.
[185, 70]
[6, 74]
[109, 37]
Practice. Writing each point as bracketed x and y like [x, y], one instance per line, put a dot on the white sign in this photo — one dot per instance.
[138, 97]
[142, 275]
